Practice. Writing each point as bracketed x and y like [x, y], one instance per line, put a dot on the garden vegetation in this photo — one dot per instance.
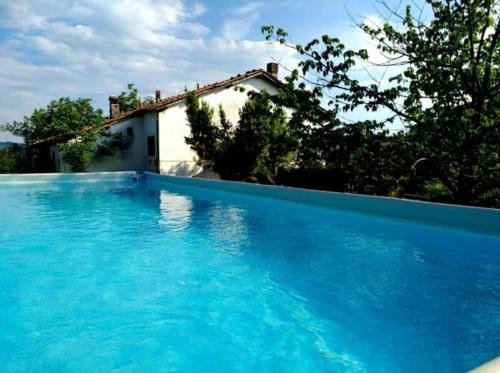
[445, 91]
[441, 83]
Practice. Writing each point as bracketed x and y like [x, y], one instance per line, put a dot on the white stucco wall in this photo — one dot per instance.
[150, 121]
[176, 157]
[131, 159]
[135, 158]
[172, 155]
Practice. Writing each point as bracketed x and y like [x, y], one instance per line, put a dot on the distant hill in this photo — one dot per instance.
[7, 144]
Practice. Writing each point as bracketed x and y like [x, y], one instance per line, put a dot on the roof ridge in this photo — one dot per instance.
[167, 101]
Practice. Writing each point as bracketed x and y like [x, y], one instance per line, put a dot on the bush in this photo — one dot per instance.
[491, 198]
[12, 160]
[436, 190]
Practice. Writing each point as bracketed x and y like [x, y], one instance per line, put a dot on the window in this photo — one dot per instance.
[130, 131]
[151, 146]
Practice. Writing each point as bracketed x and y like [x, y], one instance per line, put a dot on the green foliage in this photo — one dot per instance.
[445, 91]
[92, 146]
[75, 126]
[8, 162]
[63, 118]
[12, 159]
[129, 100]
[263, 139]
[435, 189]
[79, 152]
[205, 135]
[148, 100]
[451, 63]
[490, 198]
[261, 143]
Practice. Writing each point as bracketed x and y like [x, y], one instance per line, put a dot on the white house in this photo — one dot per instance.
[158, 130]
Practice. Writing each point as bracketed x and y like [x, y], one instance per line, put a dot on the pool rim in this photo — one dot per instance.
[473, 219]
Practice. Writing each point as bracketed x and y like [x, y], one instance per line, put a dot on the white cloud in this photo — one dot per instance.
[50, 47]
[242, 20]
[198, 9]
[92, 48]
[249, 8]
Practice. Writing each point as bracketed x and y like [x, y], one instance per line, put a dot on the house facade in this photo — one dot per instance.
[158, 131]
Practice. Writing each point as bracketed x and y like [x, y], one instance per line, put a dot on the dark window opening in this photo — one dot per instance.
[130, 131]
[151, 146]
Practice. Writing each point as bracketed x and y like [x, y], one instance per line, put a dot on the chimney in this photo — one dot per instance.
[114, 106]
[157, 95]
[272, 68]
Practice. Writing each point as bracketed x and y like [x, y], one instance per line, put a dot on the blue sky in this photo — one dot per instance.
[92, 48]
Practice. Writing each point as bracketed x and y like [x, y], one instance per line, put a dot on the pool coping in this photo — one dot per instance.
[65, 177]
[470, 218]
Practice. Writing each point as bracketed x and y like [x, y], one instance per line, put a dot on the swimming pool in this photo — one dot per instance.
[163, 274]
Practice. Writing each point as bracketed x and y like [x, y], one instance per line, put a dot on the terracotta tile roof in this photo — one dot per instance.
[166, 102]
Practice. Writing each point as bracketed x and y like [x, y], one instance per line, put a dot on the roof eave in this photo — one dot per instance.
[160, 106]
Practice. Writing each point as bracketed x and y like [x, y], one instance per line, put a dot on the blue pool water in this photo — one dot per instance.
[106, 276]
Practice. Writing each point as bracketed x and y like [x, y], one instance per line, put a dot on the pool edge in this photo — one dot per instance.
[65, 177]
[470, 218]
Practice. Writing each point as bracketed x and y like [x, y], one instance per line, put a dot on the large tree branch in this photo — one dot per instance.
[483, 34]
[488, 62]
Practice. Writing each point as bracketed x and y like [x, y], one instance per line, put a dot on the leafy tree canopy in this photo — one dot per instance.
[447, 95]
[12, 159]
[263, 138]
[261, 143]
[63, 118]
[129, 99]
[75, 126]
[205, 134]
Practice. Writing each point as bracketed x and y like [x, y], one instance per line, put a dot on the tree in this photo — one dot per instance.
[129, 100]
[75, 126]
[448, 95]
[79, 152]
[263, 139]
[61, 119]
[148, 100]
[452, 62]
[205, 135]
[12, 159]
[260, 144]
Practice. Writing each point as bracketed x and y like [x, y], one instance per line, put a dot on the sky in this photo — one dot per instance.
[93, 48]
